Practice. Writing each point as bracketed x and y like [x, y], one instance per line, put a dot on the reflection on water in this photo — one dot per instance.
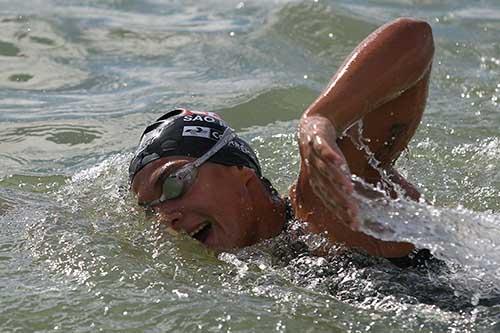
[124, 42]
[274, 105]
[20, 77]
[37, 184]
[326, 33]
[81, 80]
[8, 49]
[59, 134]
[39, 55]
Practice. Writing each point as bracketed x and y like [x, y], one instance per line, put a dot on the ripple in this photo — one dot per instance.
[321, 29]
[5, 205]
[126, 42]
[39, 55]
[8, 49]
[34, 184]
[286, 103]
[81, 80]
[20, 77]
[59, 134]
[481, 14]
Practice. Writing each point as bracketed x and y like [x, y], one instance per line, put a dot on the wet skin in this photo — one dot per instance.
[384, 84]
[226, 207]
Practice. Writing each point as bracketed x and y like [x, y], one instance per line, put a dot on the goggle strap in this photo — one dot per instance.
[226, 137]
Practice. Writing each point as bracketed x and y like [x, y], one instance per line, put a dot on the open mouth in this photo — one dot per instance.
[201, 233]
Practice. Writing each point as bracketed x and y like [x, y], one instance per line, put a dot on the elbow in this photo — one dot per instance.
[416, 37]
[418, 32]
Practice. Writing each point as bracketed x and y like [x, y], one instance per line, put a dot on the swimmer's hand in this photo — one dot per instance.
[329, 175]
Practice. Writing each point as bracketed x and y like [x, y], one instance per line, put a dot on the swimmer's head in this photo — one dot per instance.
[201, 178]
[188, 133]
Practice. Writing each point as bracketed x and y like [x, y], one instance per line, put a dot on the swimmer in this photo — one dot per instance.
[200, 178]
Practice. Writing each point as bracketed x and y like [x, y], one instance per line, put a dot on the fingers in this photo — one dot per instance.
[331, 164]
[329, 175]
[339, 203]
[324, 149]
[332, 182]
[334, 187]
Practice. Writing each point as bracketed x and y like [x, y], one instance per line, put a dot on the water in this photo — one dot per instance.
[80, 81]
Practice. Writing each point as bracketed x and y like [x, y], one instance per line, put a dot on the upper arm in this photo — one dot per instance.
[388, 62]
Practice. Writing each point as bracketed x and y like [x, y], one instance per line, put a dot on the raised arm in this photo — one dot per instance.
[383, 66]
[384, 83]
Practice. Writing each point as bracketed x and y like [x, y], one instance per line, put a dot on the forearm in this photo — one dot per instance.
[388, 62]
[409, 190]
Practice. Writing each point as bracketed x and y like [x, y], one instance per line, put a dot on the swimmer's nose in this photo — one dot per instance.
[171, 220]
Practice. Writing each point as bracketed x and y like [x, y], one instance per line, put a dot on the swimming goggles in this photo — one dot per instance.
[177, 183]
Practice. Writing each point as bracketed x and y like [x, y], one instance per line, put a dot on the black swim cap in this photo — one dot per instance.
[188, 133]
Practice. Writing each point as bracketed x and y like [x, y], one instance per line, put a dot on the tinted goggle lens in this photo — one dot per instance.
[177, 183]
[173, 187]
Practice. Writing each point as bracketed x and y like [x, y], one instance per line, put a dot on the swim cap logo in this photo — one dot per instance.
[208, 117]
[198, 131]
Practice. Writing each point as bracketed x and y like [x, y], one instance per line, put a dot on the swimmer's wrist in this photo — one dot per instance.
[318, 120]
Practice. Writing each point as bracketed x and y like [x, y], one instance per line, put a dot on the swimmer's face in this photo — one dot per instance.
[216, 209]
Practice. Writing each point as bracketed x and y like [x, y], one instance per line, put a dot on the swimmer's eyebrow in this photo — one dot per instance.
[165, 171]
[158, 176]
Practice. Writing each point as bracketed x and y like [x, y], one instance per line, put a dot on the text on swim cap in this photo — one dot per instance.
[207, 119]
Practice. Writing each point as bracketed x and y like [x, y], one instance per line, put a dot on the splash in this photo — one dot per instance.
[460, 236]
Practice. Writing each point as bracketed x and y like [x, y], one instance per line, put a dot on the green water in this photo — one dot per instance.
[79, 82]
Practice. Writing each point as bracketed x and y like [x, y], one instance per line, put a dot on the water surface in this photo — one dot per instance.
[79, 82]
